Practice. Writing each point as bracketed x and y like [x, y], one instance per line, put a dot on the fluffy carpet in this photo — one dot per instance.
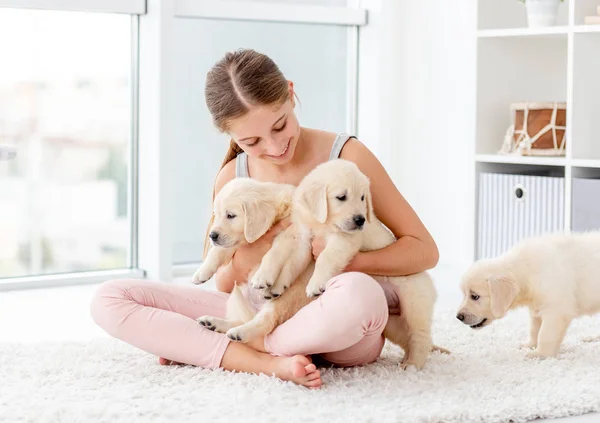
[486, 379]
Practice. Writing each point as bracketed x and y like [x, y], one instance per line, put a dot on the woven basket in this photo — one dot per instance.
[537, 129]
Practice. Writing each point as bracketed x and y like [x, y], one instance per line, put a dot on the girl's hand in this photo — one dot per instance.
[249, 256]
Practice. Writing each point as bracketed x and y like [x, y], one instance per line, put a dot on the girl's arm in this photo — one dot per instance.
[415, 250]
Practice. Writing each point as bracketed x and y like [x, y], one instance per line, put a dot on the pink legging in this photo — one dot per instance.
[344, 326]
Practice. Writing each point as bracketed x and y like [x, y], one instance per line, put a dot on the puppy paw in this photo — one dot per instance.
[528, 345]
[262, 279]
[202, 275]
[536, 354]
[316, 286]
[212, 323]
[268, 295]
[275, 291]
[312, 292]
[238, 334]
[407, 362]
[207, 322]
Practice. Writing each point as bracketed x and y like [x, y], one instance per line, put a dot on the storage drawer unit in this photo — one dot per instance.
[585, 211]
[512, 207]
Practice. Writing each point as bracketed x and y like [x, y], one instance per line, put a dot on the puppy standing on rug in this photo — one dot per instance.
[556, 276]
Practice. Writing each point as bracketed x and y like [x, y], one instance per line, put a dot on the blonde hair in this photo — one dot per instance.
[240, 80]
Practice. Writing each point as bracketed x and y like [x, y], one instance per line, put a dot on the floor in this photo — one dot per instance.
[61, 314]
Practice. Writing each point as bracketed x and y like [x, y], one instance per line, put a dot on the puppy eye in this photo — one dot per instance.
[474, 297]
[341, 197]
[362, 198]
[230, 215]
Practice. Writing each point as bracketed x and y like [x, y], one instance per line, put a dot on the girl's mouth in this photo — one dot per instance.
[285, 151]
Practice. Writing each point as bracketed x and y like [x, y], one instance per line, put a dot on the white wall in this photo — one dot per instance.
[416, 110]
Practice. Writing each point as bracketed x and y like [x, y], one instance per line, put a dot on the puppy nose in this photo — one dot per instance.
[460, 317]
[213, 235]
[359, 220]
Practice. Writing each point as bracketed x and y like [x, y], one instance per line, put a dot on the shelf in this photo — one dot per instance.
[586, 163]
[537, 32]
[586, 29]
[525, 160]
[524, 32]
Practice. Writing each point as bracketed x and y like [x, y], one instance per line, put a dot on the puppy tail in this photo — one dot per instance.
[239, 303]
[440, 349]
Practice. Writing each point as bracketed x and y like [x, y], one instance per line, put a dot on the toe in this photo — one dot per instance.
[314, 384]
[310, 368]
[314, 375]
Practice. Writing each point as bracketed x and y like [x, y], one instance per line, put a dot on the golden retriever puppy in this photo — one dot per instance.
[557, 277]
[244, 210]
[334, 202]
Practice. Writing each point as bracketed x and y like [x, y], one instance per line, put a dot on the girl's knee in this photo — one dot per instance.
[106, 295]
[362, 293]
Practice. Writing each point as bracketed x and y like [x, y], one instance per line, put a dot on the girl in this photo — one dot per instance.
[250, 100]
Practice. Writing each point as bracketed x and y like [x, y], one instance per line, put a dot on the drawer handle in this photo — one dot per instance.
[520, 192]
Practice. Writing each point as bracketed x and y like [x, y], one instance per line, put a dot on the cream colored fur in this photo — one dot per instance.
[329, 201]
[244, 210]
[318, 204]
[557, 277]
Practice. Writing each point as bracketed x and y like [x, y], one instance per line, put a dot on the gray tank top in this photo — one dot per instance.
[241, 162]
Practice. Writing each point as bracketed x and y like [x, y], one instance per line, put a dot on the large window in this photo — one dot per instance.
[65, 105]
[116, 154]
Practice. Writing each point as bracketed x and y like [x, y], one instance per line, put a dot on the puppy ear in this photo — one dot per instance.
[314, 199]
[370, 213]
[258, 219]
[503, 292]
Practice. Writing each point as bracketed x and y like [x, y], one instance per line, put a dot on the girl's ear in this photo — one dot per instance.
[292, 93]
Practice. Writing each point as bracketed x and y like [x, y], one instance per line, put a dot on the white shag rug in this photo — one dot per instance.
[486, 379]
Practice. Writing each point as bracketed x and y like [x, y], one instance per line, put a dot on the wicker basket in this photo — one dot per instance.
[538, 129]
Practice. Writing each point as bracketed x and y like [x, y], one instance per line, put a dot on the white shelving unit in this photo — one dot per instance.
[516, 63]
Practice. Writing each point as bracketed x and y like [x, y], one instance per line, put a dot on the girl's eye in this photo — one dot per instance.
[474, 297]
[230, 215]
[341, 197]
[281, 128]
[362, 198]
[254, 143]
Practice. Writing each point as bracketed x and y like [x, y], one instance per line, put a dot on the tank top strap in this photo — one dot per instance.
[241, 166]
[338, 144]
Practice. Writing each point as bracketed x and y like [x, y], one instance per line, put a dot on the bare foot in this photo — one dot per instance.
[165, 362]
[299, 369]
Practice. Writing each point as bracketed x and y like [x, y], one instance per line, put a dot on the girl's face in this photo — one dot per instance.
[267, 132]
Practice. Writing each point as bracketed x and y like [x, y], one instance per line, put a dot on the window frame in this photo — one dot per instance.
[150, 170]
[132, 7]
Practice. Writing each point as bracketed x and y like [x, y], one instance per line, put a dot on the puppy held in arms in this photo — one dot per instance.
[557, 277]
[334, 202]
[244, 210]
